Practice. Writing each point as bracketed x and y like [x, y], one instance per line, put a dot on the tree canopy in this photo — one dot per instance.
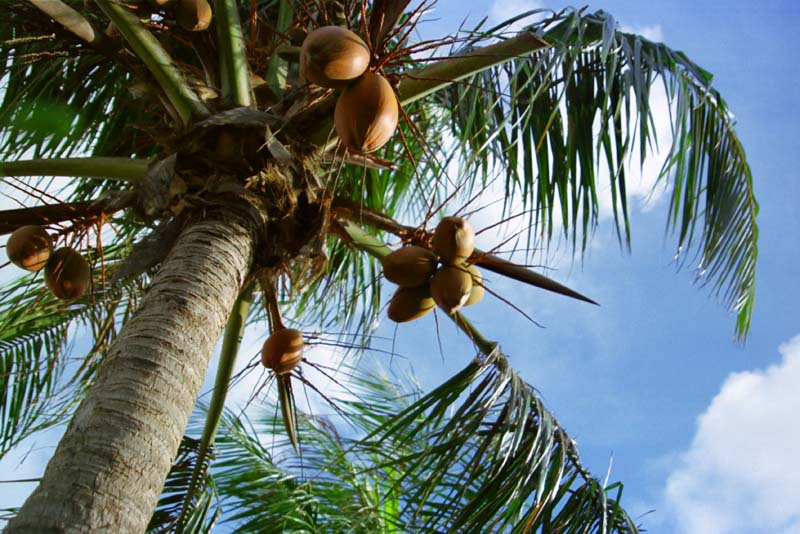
[156, 125]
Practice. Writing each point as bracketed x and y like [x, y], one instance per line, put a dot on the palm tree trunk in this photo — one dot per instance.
[109, 468]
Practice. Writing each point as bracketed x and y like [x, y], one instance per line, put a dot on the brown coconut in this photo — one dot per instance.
[366, 113]
[332, 57]
[476, 293]
[194, 15]
[283, 350]
[450, 287]
[29, 247]
[67, 274]
[454, 239]
[409, 303]
[409, 266]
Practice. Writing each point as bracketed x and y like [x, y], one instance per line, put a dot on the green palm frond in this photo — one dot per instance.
[478, 454]
[535, 117]
[204, 513]
[60, 96]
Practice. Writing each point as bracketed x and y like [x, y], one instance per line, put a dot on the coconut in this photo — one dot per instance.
[450, 287]
[454, 239]
[194, 15]
[366, 113]
[67, 274]
[476, 293]
[29, 247]
[409, 266]
[283, 350]
[332, 56]
[409, 303]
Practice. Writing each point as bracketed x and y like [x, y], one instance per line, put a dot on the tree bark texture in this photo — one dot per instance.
[109, 468]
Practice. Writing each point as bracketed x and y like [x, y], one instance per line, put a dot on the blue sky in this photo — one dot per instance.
[703, 431]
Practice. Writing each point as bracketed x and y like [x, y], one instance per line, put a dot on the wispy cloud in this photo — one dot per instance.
[739, 475]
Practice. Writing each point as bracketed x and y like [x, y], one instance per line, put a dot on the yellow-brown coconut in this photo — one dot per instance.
[67, 274]
[332, 57]
[366, 113]
[450, 287]
[476, 293]
[194, 15]
[409, 266]
[283, 350]
[454, 239]
[409, 303]
[29, 247]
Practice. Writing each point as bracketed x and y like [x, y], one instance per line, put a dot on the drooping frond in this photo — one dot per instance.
[204, 513]
[564, 123]
[478, 454]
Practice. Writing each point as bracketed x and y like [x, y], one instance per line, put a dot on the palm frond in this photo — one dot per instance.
[536, 117]
[61, 96]
[39, 383]
[205, 512]
[478, 454]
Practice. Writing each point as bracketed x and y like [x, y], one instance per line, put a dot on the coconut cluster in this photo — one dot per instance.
[283, 350]
[66, 272]
[367, 110]
[439, 277]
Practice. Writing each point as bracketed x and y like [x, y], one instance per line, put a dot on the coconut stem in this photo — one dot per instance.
[122, 169]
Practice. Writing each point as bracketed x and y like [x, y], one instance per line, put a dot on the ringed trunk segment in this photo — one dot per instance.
[109, 468]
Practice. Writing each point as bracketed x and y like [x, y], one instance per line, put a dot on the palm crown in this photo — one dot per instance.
[214, 180]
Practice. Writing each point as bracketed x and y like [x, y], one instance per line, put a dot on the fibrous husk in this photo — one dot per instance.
[283, 350]
[454, 239]
[67, 274]
[409, 266]
[409, 303]
[450, 287]
[194, 15]
[476, 293]
[366, 113]
[332, 57]
[29, 247]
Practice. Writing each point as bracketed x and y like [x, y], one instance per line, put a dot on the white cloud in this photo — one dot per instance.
[653, 33]
[502, 10]
[739, 475]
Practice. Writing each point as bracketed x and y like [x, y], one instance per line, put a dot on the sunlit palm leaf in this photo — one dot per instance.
[478, 454]
[537, 118]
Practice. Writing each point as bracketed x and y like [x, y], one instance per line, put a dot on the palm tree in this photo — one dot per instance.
[209, 192]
